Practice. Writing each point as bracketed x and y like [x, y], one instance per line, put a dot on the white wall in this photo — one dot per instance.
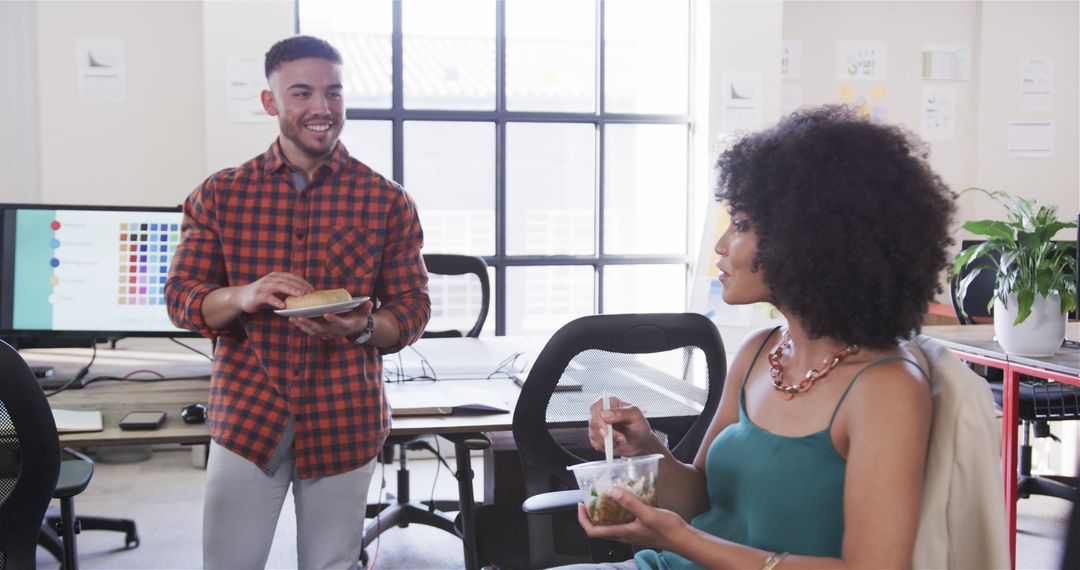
[18, 103]
[264, 22]
[1010, 33]
[904, 26]
[743, 36]
[172, 131]
[1000, 35]
[148, 150]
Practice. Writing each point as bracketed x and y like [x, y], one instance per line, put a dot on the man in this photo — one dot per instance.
[297, 400]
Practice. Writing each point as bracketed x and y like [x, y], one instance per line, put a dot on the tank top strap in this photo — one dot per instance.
[752, 362]
[864, 369]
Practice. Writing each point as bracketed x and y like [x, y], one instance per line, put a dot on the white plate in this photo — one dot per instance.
[318, 310]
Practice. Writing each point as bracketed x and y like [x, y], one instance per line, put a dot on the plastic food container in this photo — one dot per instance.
[634, 474]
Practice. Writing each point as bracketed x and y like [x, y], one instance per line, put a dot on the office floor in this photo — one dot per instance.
[164, 496]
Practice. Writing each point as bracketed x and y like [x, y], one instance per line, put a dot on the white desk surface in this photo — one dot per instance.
[114, 399]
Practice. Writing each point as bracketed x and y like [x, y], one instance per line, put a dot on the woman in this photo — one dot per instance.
[815, 456]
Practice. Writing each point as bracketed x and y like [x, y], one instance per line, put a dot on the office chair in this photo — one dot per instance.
[29, 461]
[403, 511]
[671, 365]
[448, 264]
[1041, 401]
[29, 425]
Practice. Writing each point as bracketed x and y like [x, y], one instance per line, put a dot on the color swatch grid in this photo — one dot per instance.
[145, 252]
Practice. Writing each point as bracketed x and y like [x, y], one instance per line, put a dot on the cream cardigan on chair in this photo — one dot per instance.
[962, 518]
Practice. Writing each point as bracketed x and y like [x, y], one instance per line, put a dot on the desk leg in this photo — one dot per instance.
[1009, 420]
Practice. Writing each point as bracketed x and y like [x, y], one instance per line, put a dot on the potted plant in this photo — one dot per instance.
[1035, 277]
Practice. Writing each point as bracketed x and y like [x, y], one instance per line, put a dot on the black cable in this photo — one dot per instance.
[162, 379]
[193, 349]
[426, 370]
[435, 479]
[78, 375]
[508, 366]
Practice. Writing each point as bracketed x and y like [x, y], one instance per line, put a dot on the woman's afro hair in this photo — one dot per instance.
[852, 224]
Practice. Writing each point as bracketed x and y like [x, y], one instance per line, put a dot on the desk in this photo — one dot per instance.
[116, 398]
[974, 343]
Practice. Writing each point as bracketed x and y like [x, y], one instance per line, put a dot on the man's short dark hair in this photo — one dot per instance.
[852, 224]
[299, 47]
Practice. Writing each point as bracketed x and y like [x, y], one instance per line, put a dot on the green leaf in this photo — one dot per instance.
[1024, 301]
[990, 228]
[962, 287]
[1068, 301]
[1025, 259]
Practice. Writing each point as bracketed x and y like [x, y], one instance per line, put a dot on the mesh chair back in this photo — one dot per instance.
[670, 365]
[29, 460]
[459, 302]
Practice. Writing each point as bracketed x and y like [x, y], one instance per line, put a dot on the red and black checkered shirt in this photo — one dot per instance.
[349, 227]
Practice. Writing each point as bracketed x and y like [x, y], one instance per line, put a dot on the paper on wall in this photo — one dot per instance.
[740, 106]
[791, 60]
[938, 113]
[1036, 84]
[100, 67]
[1031, 139]
[245, 81]
[860, 60]
[949, 62]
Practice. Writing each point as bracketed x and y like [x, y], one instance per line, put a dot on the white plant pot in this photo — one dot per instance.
[1040, 334]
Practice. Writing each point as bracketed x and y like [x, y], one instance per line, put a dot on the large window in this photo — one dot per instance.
[550, 137]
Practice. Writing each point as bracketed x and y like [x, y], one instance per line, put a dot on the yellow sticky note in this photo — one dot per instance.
[877, 93]
[847, 92]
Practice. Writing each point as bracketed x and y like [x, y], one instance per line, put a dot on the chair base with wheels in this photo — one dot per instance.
[59, 529]
[1042, 402]
[404, 512]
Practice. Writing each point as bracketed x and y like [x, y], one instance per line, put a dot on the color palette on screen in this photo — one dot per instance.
[145, 252]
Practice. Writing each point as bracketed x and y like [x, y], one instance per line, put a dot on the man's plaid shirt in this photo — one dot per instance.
[349, 227]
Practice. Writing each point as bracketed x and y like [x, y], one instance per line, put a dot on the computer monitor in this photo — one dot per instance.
[70, 275]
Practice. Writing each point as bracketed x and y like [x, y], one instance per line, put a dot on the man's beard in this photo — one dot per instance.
[293, 134]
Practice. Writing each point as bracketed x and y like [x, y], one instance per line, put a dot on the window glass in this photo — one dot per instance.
[449, 66]
[540, 300]
[644, 288]
[645, 189]
[550, 189]
[647, 56]
[551, 55]
[450, 172]
[371, 142]
[360, 30]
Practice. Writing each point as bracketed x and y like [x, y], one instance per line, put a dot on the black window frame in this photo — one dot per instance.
[397, 115]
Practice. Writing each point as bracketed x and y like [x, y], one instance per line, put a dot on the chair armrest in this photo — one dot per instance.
[472, 441]
[553, 502]
[74, 477]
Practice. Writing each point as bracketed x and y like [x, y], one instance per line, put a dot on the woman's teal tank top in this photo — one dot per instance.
[768, 491]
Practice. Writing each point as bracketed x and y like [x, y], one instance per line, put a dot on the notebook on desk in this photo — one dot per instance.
[434, 401]
[74, 421]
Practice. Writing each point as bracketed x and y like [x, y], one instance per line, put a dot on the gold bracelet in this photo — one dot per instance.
[774, 560]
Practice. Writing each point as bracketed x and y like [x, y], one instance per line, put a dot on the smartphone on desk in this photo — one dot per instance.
[143, 420]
